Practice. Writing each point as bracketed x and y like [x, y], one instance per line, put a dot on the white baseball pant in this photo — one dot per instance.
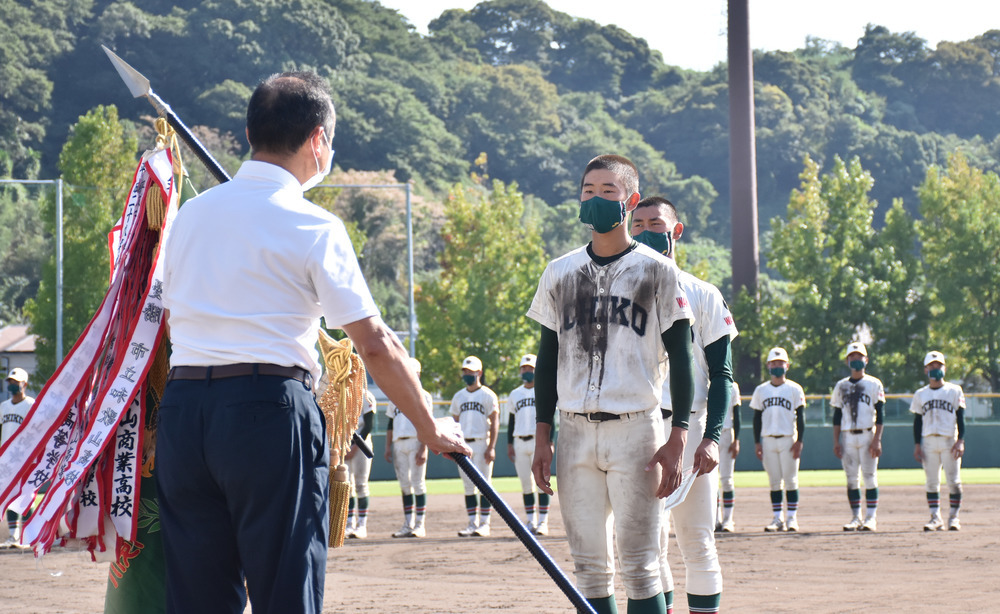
[412, 477]
[524, 454]
[937, 454]
[360, 467]
[727, 462]
[479, 460]
[605, 491]
[694, 522]
[778, 462]
[857, 459]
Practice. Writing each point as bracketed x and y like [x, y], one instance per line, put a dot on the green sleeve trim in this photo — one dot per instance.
[960, 420]
[719, 357]
[758, 425]
[800, 421]
[879, 412]
[546, 383]
[918, 428]
[677, 341]
[737, 421]
[510, 428]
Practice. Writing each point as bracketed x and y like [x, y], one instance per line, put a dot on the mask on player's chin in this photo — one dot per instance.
[659, 241]
[602, 215]
[528, 376]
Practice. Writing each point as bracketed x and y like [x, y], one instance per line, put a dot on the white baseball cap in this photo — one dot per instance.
[856, 346]
[777, 354]
[18, 375]
[932, 357]
[472, 363]
[528, 360]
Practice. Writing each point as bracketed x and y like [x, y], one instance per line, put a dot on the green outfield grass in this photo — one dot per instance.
[744, 479]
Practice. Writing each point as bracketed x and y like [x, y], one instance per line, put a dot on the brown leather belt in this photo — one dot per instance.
[858, 431]
[601, 416]
[240, 370]
[525, 437]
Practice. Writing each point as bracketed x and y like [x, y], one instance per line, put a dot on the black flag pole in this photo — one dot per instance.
[139, 86]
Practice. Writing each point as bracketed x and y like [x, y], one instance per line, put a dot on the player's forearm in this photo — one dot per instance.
[543, 432]
[960, 422]
[737, 421]
[800, 421]
[494, 429]
[546, 384]
[918, 428]
[718, 355]
[677, 342]
[758, 425]
[510, 429]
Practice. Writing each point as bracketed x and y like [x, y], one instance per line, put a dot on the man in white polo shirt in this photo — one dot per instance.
[242, 454]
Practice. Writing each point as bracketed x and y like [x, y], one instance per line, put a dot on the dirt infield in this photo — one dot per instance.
[821, 569]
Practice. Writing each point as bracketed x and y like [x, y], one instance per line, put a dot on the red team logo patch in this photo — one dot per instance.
[683, 302]
[729, 320]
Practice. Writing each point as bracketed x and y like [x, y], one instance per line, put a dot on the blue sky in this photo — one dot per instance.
[692, 33]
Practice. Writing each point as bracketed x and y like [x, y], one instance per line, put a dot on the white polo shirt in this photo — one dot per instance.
[251, 266]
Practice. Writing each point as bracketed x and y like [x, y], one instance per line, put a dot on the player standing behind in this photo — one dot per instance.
[939, 415]
[729, 449]
[476, 409]
[521, 445]
[359, 467]
[857, 403]
[655, 222]
[12, 413]
[607, 311]
[778, 426]
[409, 458]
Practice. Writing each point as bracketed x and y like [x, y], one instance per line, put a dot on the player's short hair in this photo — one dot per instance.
[666, 207]
[622, 168]
[285, 108]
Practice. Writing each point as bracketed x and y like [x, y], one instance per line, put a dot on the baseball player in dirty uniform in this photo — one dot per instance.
[409, 458]
[359, 467]
[939, 432]
[857, 402]
[477, 411]
[778, 426]
[656, 223]
[729, 449]
[607, 311]
[521, 446]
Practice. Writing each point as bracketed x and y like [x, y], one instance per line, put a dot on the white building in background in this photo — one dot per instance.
[17, 349]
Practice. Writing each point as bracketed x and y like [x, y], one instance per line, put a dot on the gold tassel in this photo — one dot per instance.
[341, 402]
[166, 138]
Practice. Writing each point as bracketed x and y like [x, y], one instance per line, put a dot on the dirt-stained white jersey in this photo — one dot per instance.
[609, 320]
[521, 403]
[712, 322]
[734, 406]
[473, 410]
[857, 400]
[938, 408]
[401, 425]
[777, 405]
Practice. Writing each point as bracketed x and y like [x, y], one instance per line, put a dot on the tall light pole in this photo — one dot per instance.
[742, 166]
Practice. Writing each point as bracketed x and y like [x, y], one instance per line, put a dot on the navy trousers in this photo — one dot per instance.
[242, 470]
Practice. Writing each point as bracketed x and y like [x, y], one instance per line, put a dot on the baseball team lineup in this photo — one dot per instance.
[629, 401]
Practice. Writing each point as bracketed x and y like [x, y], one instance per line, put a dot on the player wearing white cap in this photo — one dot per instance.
[655, 222]
[778, 426]
[359, 467]
[12, 413]
[477, 411]
[857, 403]
[607, 311]
[939, 432]
[521, 445]
[729, 449]
[409, 458]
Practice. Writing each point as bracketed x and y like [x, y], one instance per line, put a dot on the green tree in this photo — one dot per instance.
[490, 266]
[98, 163]
[961, 246]
[23, 248]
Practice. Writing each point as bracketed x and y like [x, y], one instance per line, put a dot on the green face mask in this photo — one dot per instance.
[469, 380]
[777, 371]
[602, 215]
[857, 365]
[937, 374]
[659, 241]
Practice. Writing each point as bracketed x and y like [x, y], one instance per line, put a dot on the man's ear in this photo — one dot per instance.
[678, 230]
[632, 201]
